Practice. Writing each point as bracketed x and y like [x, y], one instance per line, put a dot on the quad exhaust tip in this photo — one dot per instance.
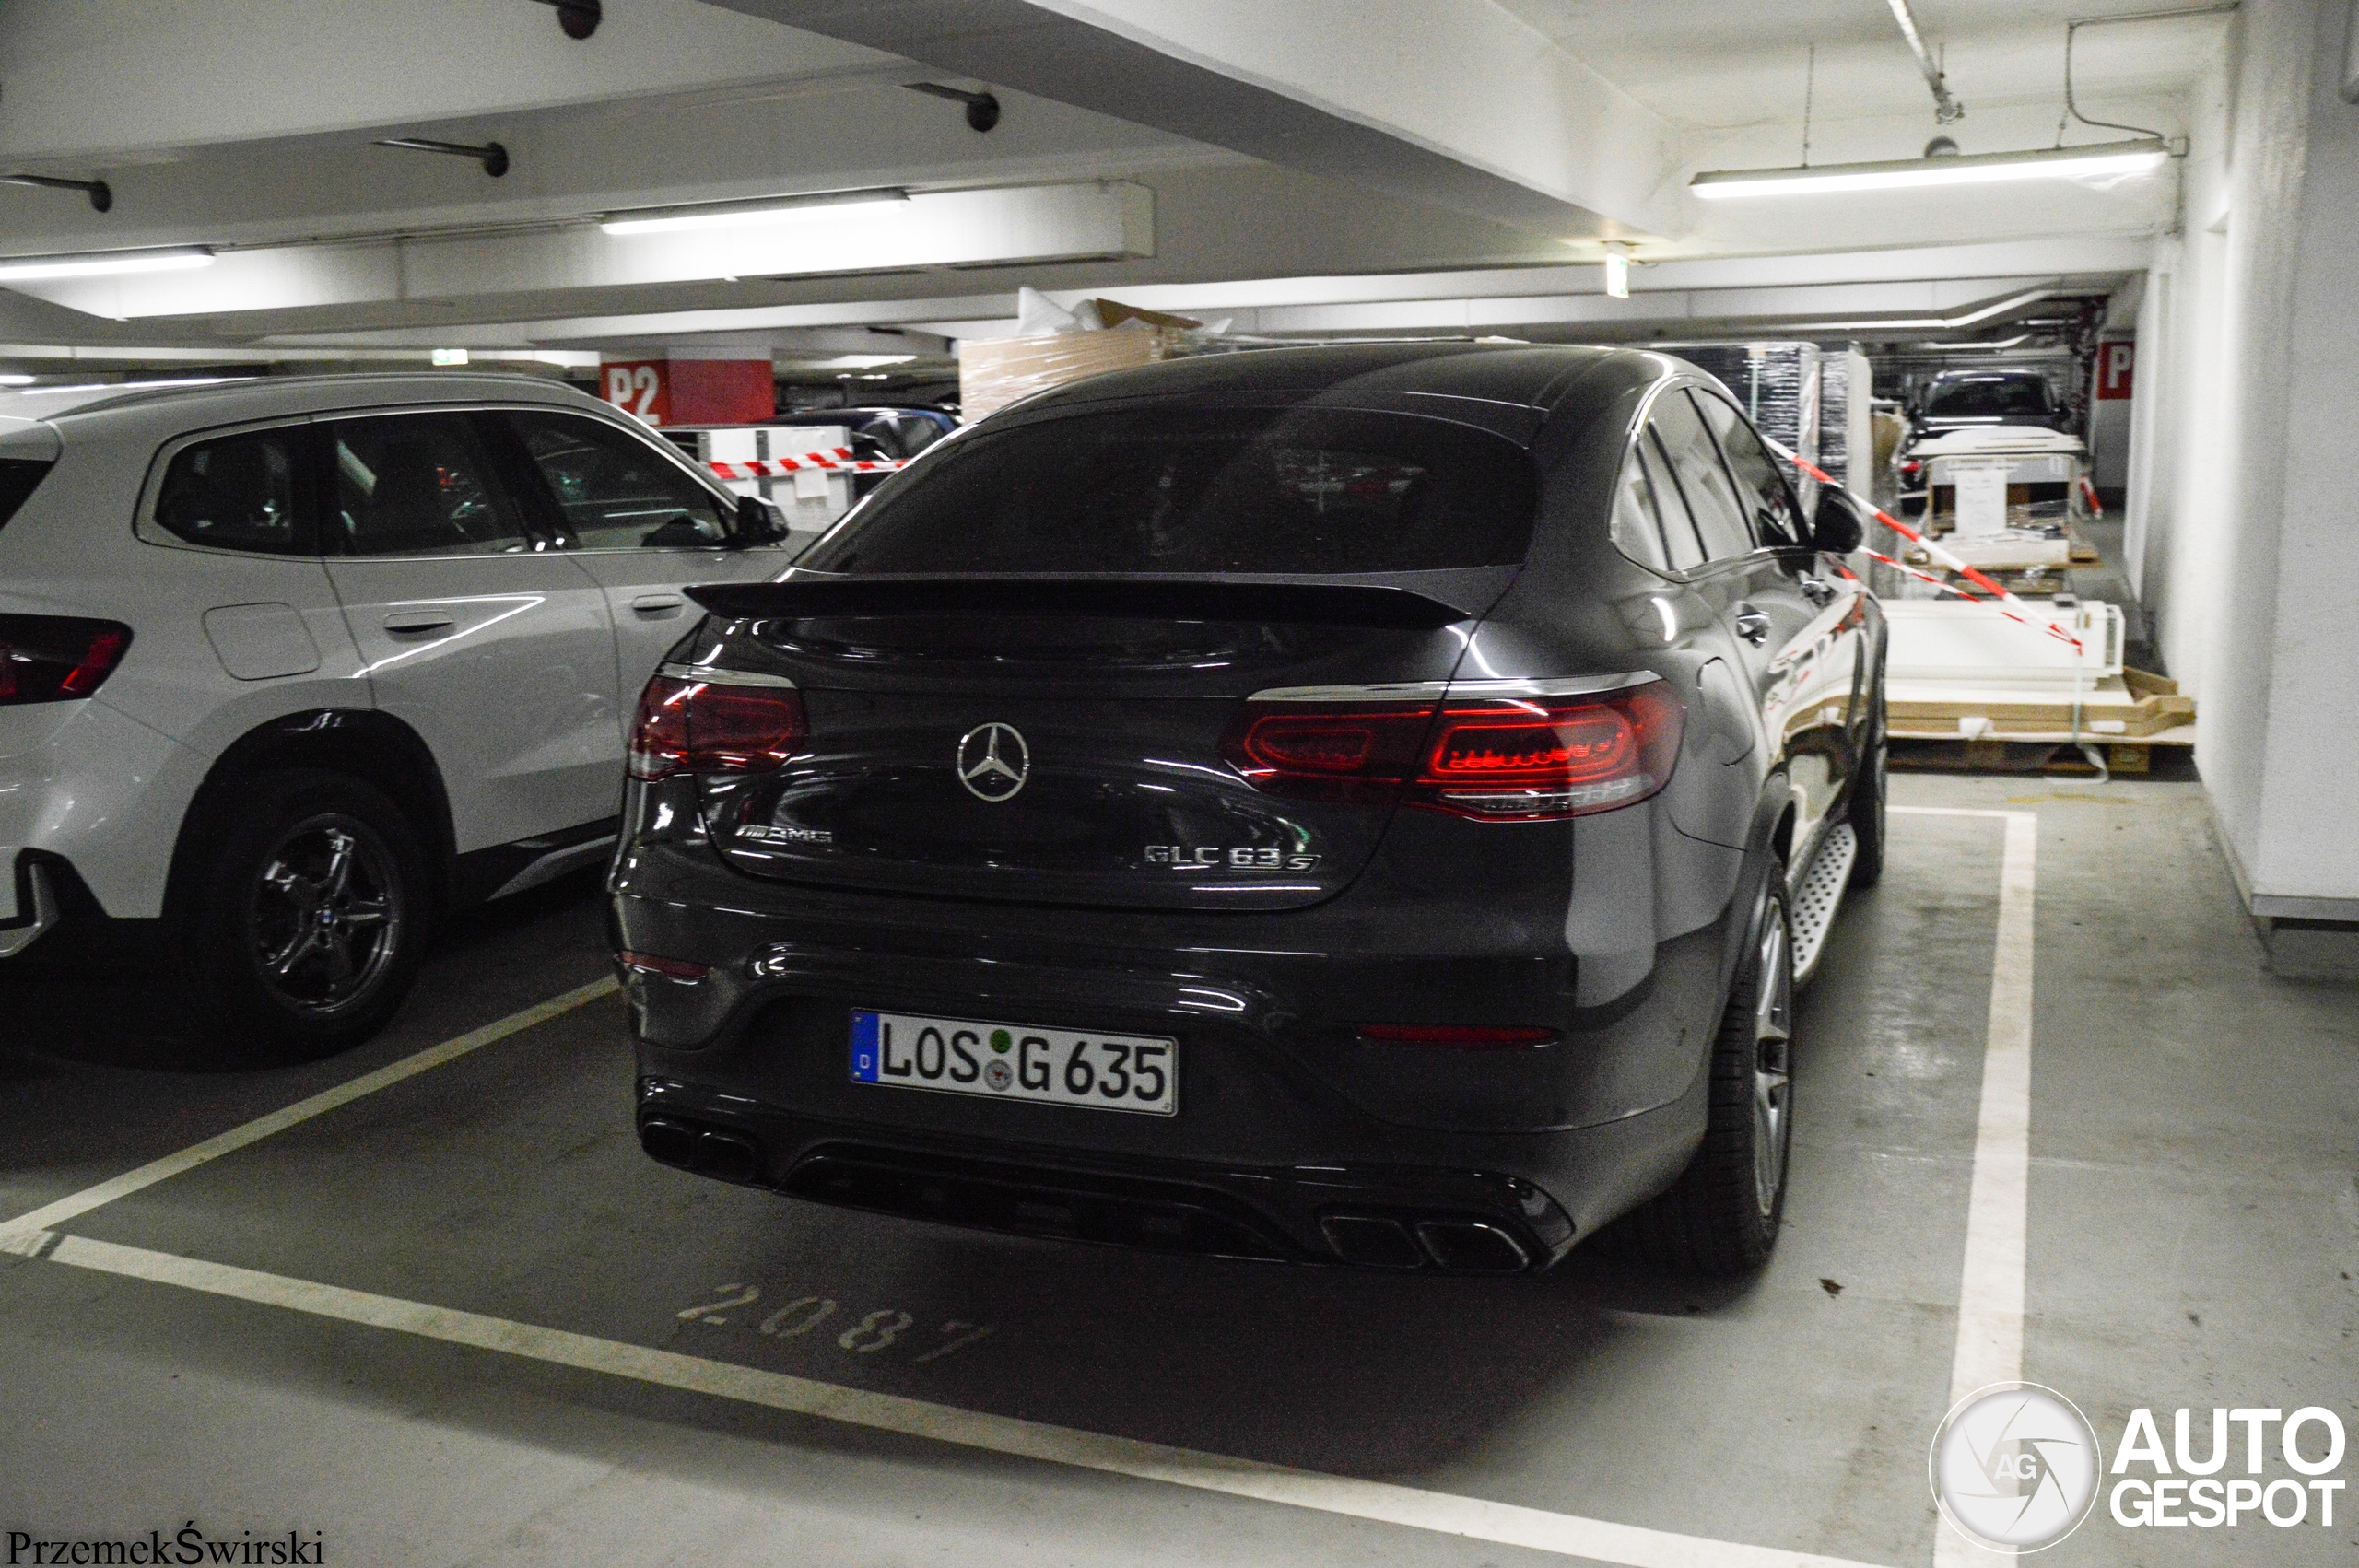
[1453, 1245]
[707, 1151]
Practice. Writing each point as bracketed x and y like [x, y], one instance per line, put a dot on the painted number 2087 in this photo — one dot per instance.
[885, 1328]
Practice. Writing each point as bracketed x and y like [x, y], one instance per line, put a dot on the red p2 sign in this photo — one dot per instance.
[2114, 363]
[641, 387]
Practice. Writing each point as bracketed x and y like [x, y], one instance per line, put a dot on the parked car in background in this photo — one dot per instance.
[1986, 415]
[293, 667]
[900, 431]
[1361, 804]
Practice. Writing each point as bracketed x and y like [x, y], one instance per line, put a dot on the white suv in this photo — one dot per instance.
[291, 667]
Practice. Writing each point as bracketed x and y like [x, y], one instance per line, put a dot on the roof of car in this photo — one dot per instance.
[1525, 374]
[288, 394]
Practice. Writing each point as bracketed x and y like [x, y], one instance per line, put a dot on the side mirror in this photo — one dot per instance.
[758, 521]
[1839, 525]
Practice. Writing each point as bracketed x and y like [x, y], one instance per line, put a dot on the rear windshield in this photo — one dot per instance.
[1309, 491]
[1989, 397]
[18, 475]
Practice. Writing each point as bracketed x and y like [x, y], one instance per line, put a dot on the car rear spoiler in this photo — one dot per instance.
[1161, 599]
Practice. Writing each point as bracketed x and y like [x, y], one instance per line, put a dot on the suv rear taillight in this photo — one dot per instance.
[1492, 758]
[1358, 754]
[57, 658]
[711, 724]
[1524, 759]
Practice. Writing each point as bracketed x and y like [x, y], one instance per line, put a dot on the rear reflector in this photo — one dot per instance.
[708, 727]
[57, 658]
[1492, 758]
[1462, 1036]
[670, 969]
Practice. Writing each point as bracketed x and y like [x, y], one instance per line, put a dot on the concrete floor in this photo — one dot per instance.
[2193, 1228]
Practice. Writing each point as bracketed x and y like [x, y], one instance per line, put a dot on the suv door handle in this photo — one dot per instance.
[1819, 590]
[657, 604]
[420, 621]
[1753, 624]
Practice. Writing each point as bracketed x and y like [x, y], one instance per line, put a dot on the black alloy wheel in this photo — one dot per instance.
[301, 920]
[1722, 1215]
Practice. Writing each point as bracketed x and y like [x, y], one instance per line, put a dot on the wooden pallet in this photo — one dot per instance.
[1936, 753]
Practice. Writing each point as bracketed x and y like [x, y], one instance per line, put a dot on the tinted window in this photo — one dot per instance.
[1989, 397]
[417, 485]
[616, 492]
[1196, 490]
[1695, 458]
[1685, 551]
[1770, 506]
[18, 477]
[236, 493]
[1637, 520]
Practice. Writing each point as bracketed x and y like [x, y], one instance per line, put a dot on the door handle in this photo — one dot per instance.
[1819, 590]
[657, 604]
[420, 621]
[1753, 624]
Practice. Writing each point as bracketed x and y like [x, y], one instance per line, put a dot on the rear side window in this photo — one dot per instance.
[1990, 397]
[237, 493]
[1309, 491]
[417, 485]
[18, 478]
[1638, 520]
[616, 492]
[1684, 550]
[1776, 519]
[1696, 460]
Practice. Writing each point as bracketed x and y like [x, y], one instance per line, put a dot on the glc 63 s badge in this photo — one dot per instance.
[1243, 858]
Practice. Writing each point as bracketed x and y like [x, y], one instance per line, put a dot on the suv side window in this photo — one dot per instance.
[238, 493]
[1681, 546]
[1703, 480]
[616, 491]
[1775, 518]
[417, 485]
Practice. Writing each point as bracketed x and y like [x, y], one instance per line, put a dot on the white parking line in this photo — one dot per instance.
[1561, 1534]
[254, 1131]
[1990, 1292]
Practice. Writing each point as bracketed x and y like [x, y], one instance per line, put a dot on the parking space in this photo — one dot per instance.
[506, 1184]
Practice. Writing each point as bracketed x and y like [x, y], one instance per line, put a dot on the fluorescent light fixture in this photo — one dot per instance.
[16, 380]
[1617, 269]
[742, 215]
[105, 264]
[449, 357]
[1981, 168]
[867, 362]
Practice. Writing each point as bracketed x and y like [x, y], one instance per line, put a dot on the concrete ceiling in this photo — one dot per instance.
[1299, 169]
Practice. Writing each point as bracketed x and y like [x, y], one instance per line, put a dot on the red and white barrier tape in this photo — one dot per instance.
[836, 460]
[1939, 555]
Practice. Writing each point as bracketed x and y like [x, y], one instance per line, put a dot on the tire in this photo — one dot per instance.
[300, 929]
[1869, 795]
[1721, 1217]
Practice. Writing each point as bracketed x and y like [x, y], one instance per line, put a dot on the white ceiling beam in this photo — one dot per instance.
[1040, 223]
[1452, 103]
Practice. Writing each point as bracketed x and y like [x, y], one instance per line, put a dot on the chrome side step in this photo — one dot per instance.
[1819, 894]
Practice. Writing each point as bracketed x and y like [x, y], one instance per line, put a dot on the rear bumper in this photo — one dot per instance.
[1439, 1217]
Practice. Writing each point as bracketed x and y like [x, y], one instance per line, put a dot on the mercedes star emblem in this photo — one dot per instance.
[993, 762]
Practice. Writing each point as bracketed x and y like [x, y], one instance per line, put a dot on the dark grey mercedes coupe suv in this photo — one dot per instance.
[1364, 804]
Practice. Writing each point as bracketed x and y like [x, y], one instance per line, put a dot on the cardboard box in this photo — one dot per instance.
[994, 373]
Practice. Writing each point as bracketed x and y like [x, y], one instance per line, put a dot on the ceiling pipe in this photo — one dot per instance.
[1946, 108]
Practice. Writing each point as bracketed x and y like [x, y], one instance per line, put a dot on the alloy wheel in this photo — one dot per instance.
[326, 915]
[1772, 1057]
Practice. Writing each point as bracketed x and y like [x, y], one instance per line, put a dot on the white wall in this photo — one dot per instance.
[2243, 537]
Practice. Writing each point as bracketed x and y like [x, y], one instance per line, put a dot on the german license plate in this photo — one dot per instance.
[1018, 1062]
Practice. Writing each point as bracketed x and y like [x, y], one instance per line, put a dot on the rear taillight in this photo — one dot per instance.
[711, 725]
[57, 658]
[1524, 759]
[1495, 758]
[1359, 754]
